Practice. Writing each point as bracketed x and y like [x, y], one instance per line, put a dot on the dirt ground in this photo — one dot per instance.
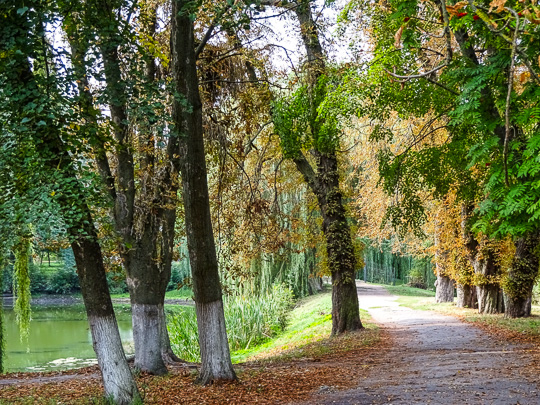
[437, 359]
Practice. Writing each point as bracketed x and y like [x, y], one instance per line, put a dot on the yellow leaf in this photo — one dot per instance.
[454, 10]
[498, 5]
[53, 193]
[397, 37]
[531, 17]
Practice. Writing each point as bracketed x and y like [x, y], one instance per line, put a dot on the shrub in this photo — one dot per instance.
[183, 333]
[117, 282]
[38, 279]
[250, 320]
[417, 277]
[63, 281]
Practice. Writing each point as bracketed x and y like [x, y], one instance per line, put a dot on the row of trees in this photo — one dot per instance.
[451, 96]
[101, 117]
[111, 110]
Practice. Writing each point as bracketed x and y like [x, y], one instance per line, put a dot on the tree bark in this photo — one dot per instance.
[466, 296]
[521, 277]
[482, 259]
[187, 115]
[488, 299]
[444, 290]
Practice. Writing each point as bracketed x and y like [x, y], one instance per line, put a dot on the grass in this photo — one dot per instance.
[403, 290]
[523, 328]
[310, 322]
[173, 294]
[250, 321]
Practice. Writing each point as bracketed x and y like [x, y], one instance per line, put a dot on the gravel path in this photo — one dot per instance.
[437, 359]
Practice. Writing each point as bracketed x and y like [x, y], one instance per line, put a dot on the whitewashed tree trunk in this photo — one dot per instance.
[117, 378]
[215, 355]
[187, 115]
[147, 329]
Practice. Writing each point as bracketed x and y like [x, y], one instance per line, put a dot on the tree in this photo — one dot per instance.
[144, 180]
[187, 117]
[33, 111]
[302, 122]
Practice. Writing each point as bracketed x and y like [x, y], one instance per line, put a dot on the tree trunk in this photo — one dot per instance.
[482, 258]
[147, 278]
[215, 356]
[339, 248]
[444, 291]
[118, 381]
[466, 296]
[444, 285]
[314, 285]
[521, 277]
[187, 115]
[488, 299]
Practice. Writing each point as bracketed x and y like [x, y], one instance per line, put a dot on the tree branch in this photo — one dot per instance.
[204, 41]
[508, 95]
[307, 171]
[409, 77]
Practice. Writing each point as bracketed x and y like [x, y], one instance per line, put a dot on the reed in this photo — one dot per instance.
[250, 320]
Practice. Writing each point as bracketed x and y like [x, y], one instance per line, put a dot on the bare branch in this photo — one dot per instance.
[446, 31]
[435, 82]
[409, 77]
[288, 57]
[205, 40]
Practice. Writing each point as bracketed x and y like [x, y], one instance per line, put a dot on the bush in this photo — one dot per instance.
[38, 279]
[250, 320]
[117, 283]
[7, 279]
[64, 281]
[417, 277]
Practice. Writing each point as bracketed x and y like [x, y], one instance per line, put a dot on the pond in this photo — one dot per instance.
[59, 338]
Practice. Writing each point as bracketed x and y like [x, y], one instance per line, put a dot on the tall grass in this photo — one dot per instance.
[250, 320]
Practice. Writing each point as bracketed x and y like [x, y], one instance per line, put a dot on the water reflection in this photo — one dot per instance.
[59, 338]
